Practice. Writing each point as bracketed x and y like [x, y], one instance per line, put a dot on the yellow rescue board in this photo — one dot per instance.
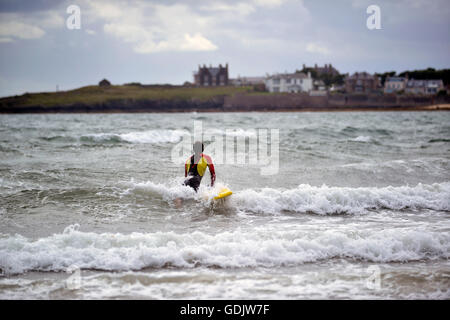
[225, 192]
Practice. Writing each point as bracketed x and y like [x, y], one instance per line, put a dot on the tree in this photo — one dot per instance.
[327, 78]
[427, 74]
[384, 75]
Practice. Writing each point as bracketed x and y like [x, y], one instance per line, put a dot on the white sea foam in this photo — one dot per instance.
[154, 136]
[319, 200]
[175, 190]
[329, 200]
[150, 136]
[160, 135]
[231, 133]
[363, 139]
[258, 247]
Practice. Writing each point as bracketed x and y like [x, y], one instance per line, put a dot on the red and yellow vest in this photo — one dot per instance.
[199, 168]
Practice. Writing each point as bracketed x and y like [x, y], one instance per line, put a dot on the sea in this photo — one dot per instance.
[356, 206]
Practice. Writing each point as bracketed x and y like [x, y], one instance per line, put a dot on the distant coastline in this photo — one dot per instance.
[166, 98]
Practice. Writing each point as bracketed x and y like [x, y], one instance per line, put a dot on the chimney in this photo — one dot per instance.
[309, 74]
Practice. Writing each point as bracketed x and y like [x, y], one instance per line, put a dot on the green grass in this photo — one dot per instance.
[94, 94]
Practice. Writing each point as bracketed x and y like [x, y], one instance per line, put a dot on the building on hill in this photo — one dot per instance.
[362, 82]
[424, 86]
[289, 82]
[327, 69]
[319, 85]
[104, 83]
[211, 76]
[247, 81]
[395, 84]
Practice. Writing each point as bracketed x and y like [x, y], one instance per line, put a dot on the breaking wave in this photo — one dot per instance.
[257, 247]
[151, 136]
[318, 200]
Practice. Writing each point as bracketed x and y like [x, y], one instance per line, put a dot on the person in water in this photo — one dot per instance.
[195, 167]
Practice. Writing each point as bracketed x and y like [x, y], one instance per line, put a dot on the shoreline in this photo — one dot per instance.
[137, 99]
[434, 107]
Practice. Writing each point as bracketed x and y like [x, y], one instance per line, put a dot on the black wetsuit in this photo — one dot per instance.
[196, 171]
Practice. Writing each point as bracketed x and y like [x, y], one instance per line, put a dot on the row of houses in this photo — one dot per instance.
[358, 82]
[413, 86]
[367, 83]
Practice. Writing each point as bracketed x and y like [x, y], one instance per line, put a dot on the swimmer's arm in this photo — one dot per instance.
[211, 170]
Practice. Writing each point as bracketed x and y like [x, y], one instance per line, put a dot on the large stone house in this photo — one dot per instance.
[362, 82]
[395, 84]
[289, 82]
[211, 76]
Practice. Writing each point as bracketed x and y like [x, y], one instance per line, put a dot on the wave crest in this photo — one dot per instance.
[258, 247]
[318, 200]
[336, 200]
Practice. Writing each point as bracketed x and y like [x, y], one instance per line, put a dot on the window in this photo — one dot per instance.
[276, 89]
[276, 81]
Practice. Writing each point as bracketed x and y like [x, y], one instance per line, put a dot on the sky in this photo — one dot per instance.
[165, 41]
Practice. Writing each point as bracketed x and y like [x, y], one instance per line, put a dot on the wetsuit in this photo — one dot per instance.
[196, 171]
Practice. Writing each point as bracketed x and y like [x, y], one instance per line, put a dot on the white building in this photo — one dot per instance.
[289, 82]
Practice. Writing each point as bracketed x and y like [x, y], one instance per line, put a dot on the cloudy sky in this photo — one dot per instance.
[164, 41]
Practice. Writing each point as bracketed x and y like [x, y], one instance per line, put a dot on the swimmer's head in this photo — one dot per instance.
[198, 147]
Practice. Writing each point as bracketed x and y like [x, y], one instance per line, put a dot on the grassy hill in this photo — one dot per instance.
[94, 95]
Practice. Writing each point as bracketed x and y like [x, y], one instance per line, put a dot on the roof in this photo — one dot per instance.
[299, 75]
[395, 79]
[361, 75]
[213, 71]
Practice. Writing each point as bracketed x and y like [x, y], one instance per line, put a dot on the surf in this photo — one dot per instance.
[321, 200]
[256, 247]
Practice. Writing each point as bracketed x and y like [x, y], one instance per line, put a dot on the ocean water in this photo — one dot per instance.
[359, 209]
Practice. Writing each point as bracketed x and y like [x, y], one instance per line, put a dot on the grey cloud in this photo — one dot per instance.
[28, 6]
